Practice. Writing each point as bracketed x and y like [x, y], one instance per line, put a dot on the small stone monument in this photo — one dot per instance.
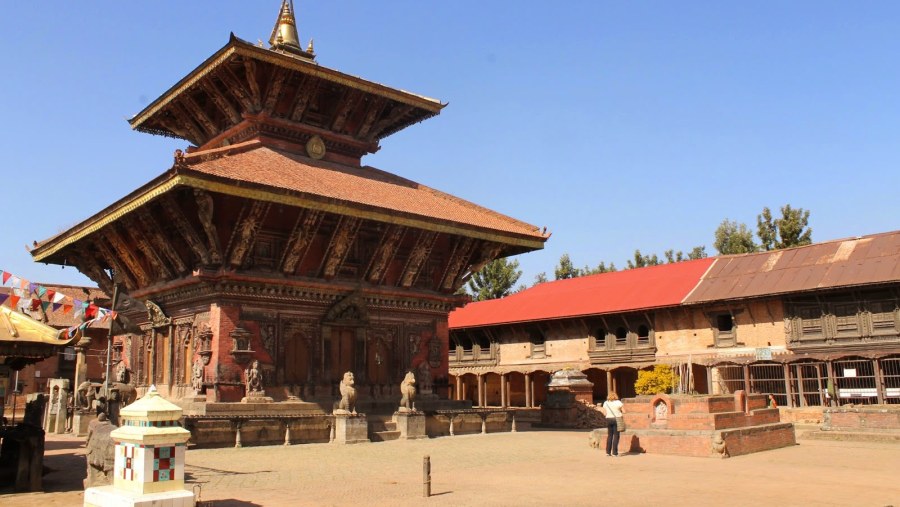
[349, 427]
[56, 413]
[149, 457]
[566, 387]
[410, 422]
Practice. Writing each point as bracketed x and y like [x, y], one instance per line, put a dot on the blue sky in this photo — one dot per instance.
[618, 125]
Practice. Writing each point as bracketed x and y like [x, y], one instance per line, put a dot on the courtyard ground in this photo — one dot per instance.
[510, 469]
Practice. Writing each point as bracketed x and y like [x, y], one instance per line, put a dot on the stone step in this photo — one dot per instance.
[851, 436]
[384, 436]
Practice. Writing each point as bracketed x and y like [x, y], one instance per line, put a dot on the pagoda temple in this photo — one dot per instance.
[269, 241]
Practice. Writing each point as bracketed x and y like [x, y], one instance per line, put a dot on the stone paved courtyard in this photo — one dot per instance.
[515, 469]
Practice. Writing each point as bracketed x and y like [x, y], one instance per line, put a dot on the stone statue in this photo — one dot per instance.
[85, 395]
[408, 392]
[100, 453]
[348, 395]
[425, 377]
[197, 376]
[254, 379]
[719, 447]
[121, 372]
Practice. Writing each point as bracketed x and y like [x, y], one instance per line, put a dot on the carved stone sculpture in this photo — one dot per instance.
[100, 453]
[719, 447]
[408, 392]
[254, 379]
[348, 395]
[197, 376]
[85, 395]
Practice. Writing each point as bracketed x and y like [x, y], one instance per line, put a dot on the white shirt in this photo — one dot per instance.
[613, 408]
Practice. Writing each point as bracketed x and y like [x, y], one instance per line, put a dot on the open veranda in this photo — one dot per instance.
[515, 469]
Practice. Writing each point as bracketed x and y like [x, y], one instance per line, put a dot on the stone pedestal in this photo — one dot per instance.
[108, 495]
[81, 421]
[411, 425]
[350, 428]
[257, 397]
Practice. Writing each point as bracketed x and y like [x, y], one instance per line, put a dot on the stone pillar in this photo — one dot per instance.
[149, 457]
[481, 390]
[504, 396]
[460, 395]
[55, 422]
[609, 382]
[528, 398]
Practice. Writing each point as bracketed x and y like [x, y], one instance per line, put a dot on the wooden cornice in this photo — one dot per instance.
[420, 252]
[154, 231]
[140, 238]
[244, 234]
[126, 254]
[121, 274]
[387, 249]
[205, 212]
[305, 229]
[341, 240]
[185, 229]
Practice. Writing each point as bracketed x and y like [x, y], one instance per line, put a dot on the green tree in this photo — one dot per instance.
[601, 268]
[792, 229]
[495, 280]
[641, 260]
[540, 278]
[698, 252]
[565, 268]
[733, 238]
[661, 379]
[673, 256]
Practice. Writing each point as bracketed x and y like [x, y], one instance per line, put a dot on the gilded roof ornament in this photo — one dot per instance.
[284, 36]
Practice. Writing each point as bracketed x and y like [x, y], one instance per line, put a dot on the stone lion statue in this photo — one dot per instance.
[719, 447]
[348, 395]
[408, 392]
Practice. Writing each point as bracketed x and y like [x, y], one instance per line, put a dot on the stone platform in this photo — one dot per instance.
[873, 423]
[702, 426]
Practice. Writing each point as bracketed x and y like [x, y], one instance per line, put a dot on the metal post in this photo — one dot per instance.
[109, 337]
[426, 476]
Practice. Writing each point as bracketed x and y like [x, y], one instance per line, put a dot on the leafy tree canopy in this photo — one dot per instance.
[495, 280]
[733, 238]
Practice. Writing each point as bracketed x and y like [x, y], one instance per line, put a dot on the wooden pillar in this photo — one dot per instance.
[787, 385]
[879, 380]
[532, 394]
[504, 399]
[481, 390]
[746, 369]
[609, 382]
[709, 380]
[821, 387]
[829, 367]
[528, 394]
[459, 388]
[799, 370]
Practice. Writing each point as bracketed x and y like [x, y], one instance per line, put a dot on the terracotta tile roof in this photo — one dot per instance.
[621, 291]
[851, 262]
[364, 187]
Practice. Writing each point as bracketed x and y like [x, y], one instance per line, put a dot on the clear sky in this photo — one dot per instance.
[618, 125]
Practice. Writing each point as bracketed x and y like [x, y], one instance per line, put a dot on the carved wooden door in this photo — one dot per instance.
[296, 360]
[342, 351]
[378, 363]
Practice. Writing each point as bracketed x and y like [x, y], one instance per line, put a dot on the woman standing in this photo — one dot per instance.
[612, 409]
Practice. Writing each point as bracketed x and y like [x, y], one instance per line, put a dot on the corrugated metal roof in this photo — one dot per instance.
[629, 290]
[852, 262]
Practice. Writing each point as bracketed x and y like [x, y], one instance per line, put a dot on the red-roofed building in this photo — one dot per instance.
[788, 322]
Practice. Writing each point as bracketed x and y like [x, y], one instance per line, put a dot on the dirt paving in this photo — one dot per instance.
[509, 469]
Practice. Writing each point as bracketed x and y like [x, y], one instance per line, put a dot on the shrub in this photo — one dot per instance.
[659, 380]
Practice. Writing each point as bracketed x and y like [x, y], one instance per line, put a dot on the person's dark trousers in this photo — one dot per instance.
[612, 438]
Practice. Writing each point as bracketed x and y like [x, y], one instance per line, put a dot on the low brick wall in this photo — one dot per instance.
[802, 415]
[872, 418]
[699, 444]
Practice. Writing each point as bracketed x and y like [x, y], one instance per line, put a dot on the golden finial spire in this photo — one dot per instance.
[284, 35]
[309, 48]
